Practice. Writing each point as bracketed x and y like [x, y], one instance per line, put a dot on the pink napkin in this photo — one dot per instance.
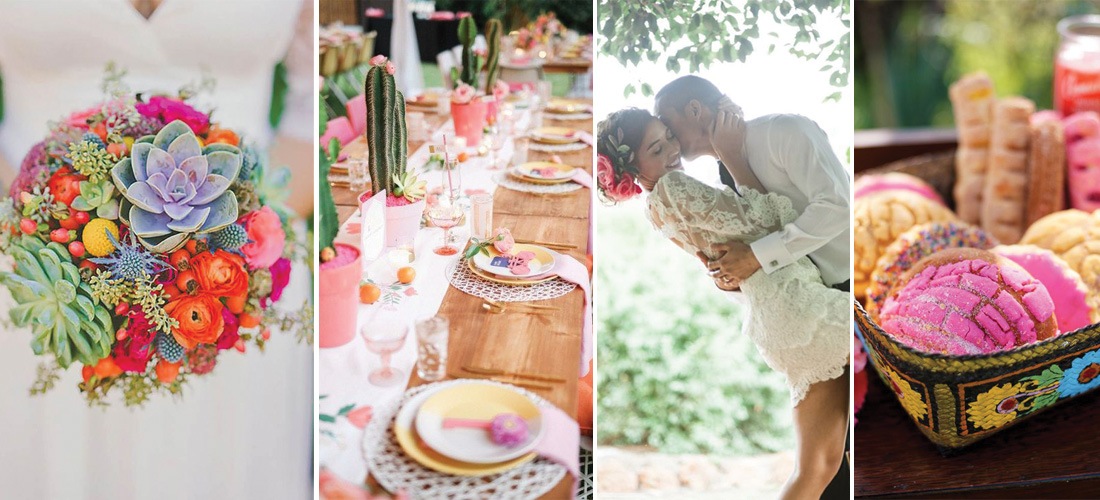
[586, 137]
[569, 269]
[373, 12]
[561, 441]
[582, 177]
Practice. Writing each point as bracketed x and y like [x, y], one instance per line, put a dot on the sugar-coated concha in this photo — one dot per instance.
[968, 301]
[879, 219]
[1067, 290]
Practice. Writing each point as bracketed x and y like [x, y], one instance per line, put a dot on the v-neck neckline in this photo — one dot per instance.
[129, 4]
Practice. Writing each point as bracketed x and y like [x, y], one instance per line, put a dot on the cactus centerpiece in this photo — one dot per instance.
[172, 188]
[387, 137]
[493, 28]
[471, 62]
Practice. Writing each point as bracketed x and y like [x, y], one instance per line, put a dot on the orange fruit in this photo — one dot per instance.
[167, 372]
[369, 293]
[87, 373]
[406, 275]
[107, 367]
[463, 156]
[249, 321]
[184, 280]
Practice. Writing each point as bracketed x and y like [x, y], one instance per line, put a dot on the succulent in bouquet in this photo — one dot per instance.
[144, 246]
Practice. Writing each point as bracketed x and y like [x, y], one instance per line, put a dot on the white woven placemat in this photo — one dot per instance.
[505, 180]
[558, 148]
[458, 273]
[396, 471]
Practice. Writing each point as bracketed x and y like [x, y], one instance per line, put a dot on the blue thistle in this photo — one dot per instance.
[94, 139]
[231, 238]
[169, 350]
[130, 261]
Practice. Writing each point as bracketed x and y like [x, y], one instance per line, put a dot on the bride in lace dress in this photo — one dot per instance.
[799, 325]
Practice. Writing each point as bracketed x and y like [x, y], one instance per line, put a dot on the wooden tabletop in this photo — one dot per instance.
[1051, 455]
[516, 341]
[575, 66]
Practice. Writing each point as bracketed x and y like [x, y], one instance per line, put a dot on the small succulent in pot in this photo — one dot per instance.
[173, 188]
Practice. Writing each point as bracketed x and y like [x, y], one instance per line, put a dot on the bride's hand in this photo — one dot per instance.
[722, 282]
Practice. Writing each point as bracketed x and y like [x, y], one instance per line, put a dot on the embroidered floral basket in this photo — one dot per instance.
[959, 400]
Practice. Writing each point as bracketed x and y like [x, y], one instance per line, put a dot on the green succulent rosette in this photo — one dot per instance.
[58, 306]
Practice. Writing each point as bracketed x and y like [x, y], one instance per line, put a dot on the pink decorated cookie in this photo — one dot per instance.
[1065, 286]
[1083, 157]
[518, 263]
[968, 301]
[892, 181]
[916, 244]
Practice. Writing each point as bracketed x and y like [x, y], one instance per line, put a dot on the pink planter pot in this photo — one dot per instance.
[339, 301]
[469, 120]
[492, 106]
[403, 222]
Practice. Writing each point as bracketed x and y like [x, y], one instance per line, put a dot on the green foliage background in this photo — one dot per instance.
[908, 52]
[690, 35]
[674, 371]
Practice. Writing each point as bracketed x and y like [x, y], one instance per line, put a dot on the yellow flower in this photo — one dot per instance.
[995, 407]
[910, 399]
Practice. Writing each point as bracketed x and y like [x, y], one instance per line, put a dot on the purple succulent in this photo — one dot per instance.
[174, 188]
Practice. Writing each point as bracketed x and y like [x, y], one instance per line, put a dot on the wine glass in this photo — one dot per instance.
[384, 340]
[445, 215]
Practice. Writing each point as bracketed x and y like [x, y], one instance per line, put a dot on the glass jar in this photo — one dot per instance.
[1077, 65]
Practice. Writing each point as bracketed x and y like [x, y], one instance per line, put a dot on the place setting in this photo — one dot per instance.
[559, 139]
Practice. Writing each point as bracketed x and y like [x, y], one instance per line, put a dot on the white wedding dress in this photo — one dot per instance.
[244, 431]
[799, 325]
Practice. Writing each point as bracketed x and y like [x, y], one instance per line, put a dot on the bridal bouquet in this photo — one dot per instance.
[144, 247]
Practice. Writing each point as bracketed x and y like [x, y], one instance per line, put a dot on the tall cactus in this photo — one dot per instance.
[387, 140]
[467, 34]
[493, 29]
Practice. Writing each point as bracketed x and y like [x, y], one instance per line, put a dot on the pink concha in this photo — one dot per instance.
[1081, 125]
[1065, 286]
[968, 301]
[874, 183]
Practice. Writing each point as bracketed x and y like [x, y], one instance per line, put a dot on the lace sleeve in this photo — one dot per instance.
[700, 215]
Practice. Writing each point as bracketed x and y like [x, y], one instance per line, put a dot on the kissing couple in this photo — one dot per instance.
[778, 231]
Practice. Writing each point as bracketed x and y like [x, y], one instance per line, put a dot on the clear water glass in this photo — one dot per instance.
[385, 340]
[431, 338]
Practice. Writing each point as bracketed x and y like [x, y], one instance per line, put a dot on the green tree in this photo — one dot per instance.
[691, 35]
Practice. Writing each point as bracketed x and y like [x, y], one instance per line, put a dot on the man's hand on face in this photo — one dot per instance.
[728, 133]
[734, 263]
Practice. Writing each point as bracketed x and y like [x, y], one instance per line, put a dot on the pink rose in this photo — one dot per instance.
[605, 173]
[265, 231]
[378, 60]
[463, 94]
[390, 68]
[501, 90]
[625, 189]
[170, 110]
[80, 119]
[503, 240]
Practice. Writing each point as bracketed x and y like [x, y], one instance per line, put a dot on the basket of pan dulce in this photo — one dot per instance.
[977, 271]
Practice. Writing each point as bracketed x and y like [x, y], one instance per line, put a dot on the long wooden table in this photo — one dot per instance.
[1049, 456]
[518, 341]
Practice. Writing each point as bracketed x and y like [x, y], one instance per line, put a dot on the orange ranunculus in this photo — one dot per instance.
[221, 274]
[224, 136]
[200, 319]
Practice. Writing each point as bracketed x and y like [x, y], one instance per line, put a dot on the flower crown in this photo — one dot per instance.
[616, 176]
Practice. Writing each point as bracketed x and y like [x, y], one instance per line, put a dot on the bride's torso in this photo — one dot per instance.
[53, 55]
[696, 216]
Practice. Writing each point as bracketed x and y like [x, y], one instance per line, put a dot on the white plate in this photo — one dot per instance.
[482, 402]
[497, 264]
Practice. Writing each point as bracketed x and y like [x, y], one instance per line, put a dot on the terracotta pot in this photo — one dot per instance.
[403, 222]
[339, 297]
[469, 120]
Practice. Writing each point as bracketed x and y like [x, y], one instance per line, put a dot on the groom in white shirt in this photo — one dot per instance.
[790, 155]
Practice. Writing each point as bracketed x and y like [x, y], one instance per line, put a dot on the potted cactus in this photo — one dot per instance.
[387, 150]
[339, 269]
[493, 29]
[468, 109]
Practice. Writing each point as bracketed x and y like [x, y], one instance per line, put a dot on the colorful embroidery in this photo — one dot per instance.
[910, 399]
[1082, 375]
